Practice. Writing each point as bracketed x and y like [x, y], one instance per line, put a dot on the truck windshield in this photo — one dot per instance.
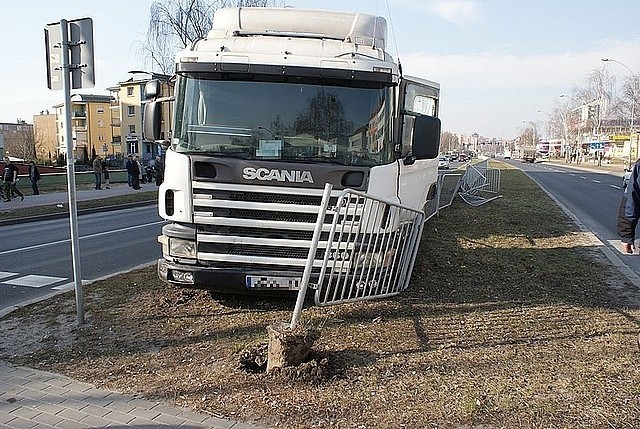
[297, 122]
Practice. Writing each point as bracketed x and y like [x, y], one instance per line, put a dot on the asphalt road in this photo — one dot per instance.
[36, 261]
[592, 196]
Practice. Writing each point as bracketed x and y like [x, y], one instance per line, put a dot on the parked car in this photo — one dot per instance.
[462, 157]
[443, 163]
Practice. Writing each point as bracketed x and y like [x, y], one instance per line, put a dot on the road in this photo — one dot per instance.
[35, 257]
[593, 197]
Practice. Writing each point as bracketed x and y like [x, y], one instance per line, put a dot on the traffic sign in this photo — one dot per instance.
[80, 45]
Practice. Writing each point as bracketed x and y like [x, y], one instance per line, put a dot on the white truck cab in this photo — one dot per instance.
[270, 106]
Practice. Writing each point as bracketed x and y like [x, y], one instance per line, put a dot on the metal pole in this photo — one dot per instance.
[312, 255]
[71, 178]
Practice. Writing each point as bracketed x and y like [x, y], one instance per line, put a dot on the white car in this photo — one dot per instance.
[443, 163]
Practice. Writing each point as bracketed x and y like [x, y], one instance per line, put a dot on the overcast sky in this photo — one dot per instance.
[499, 62]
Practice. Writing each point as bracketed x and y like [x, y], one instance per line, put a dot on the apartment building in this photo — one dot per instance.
[91, 126]
[17, 140]
[45, 137]
[130, 95]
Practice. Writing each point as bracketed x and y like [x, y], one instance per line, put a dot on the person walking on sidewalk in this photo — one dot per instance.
[97, 172]
[10, 179]
[129, 166]
[105, 173]
[629, 210]
[135, 174]
[34, 176]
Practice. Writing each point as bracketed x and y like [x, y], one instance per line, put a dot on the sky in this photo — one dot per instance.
[498, 62]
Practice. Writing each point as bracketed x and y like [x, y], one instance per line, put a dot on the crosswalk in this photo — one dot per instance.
[35, 281]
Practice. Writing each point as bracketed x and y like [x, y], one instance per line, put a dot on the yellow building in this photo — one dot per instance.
[91, 126]
[46, 141]
[130, 95]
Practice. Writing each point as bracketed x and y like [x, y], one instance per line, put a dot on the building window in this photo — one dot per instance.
[132, 129]
[131, 110]
[130, 91]
[100, 110]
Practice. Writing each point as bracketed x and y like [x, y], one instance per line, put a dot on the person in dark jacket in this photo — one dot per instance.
[629, 210]
[134, 173]
[129, 166]
[9, 180]
[34, 176]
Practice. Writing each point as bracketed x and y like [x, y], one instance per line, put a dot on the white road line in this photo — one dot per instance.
[4, 274]
[53, 243]
[583, 177]
[34, 281]
[596, 181]
[616, 187]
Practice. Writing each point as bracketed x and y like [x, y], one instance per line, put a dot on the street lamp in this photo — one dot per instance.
[633, 101]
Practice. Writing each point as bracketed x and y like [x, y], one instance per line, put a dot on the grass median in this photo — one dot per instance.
[51, 209]
[513, 319]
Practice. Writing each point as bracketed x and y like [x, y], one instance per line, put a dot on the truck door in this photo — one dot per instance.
[418, 173]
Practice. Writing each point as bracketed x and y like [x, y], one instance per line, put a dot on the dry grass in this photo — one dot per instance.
[510, 321]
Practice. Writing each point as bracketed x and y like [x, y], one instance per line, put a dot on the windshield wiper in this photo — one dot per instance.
[322, 159]
[225, 154]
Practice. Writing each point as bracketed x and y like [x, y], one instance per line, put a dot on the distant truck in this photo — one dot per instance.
[529, 154]
[270, 106]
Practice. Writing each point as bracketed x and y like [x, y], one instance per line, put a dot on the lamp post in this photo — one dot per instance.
[633, 102]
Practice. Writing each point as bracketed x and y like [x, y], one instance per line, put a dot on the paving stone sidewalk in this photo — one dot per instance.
[37, 400]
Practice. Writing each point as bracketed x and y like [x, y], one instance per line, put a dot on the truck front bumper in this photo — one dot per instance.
[225, 280]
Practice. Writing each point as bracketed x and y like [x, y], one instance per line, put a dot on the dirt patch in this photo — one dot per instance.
[513, 319]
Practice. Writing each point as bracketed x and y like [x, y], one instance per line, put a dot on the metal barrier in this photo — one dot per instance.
[371, 249]
[480, 184]
[448, 185]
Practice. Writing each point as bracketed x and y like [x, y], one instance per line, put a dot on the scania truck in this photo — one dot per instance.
[273, 104]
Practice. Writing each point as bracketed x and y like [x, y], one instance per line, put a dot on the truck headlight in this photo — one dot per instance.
[182, 248]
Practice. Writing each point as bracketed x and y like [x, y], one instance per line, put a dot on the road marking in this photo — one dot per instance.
[596, 181]
[583, 177]
[4, 274]
[616, 187]
[34, 281]
[100, 234]
[65, 287]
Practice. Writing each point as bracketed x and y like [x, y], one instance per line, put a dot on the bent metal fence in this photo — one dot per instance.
[448, 186]
[480, 184]
[370, 246]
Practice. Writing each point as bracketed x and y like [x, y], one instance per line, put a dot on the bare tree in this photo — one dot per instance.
[449, 142]
[174, 24]
[630, 99]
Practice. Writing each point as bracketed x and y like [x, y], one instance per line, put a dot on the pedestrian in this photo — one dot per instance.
[10, 179]
[629, 210]
[105, 173]
[140, 170]
[129, 166]
[135, 174]
[34, 176]
[97, 172]
[159, 166]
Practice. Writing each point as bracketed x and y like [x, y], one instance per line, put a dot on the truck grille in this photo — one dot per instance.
[264, 226]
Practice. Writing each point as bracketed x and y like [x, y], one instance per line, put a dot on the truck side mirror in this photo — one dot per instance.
[152, 89]
[152, 121]
[426, 137]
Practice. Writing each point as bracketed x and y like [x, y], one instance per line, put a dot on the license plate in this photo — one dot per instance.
[271, 282]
